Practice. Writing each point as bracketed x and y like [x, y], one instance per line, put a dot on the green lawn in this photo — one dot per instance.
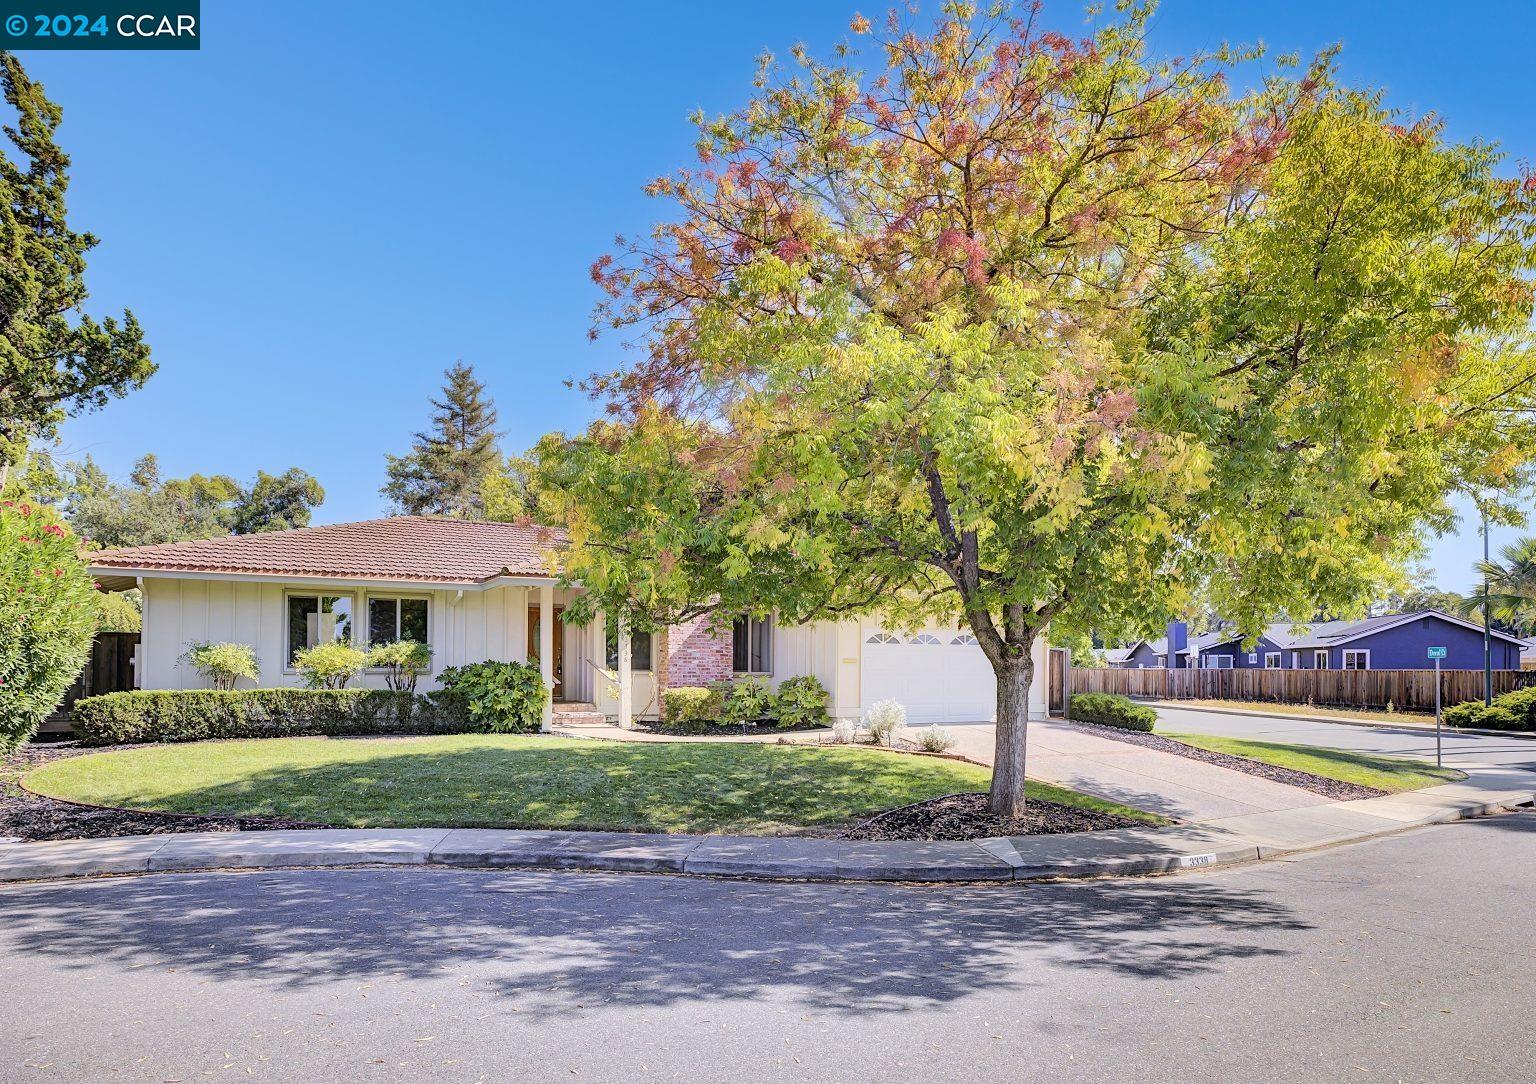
[506, 781]
[1365, 769]
[1266, 707]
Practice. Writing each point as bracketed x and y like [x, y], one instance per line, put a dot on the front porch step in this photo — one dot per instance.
[575, 714]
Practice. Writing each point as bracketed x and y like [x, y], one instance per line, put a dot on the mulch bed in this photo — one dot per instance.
[31, 816]
[726, 730]
[1335, 789]
[965, 816]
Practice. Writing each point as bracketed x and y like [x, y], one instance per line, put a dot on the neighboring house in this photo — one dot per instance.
[1388, 642]
[1401, 642]
[474, 591]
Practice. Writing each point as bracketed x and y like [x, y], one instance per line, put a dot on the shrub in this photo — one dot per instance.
[329, 665]
[884, 718]
[801, 700]
[1107, 709]
[222, 664]
[508, 697]
[119, 612]
[936, 739]
[172, 715]
[845, 731]
[690, 707]
[745, 701]
[1479, 716]
[48, 614]
[403, 662]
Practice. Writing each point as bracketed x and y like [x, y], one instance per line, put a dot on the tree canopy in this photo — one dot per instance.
[55, 359]
[150, 509]
[1027, 330]
[446, 471]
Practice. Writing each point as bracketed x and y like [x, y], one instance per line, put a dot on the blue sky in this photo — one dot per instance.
[328, 204]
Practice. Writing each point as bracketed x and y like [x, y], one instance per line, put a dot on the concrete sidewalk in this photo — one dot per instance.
[1222, 841]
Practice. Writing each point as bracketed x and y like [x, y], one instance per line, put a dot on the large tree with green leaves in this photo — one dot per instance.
[151, 509]
[449, 463]
[55, 359]
[998, 325]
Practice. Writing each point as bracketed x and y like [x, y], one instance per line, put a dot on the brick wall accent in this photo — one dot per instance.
[692, 654]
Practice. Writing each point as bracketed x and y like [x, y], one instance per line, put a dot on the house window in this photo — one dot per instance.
[391, 619]
[752, 645]
[1216, 662]
[639, 649]
[925, 638]
[1357, 659]
[964, 638]
[317, 619]
[1272, 660]
[875, 638]
[1320, 659]
[1253, 658]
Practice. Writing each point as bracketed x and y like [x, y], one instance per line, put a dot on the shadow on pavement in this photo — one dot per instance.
[553, 941]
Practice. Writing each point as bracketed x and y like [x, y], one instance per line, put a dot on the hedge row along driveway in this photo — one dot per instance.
[507, 781]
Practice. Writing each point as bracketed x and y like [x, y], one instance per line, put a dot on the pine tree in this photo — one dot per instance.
[448, 465]
[55, 360]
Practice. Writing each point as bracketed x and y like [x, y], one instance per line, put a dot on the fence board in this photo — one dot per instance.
[1405, 690]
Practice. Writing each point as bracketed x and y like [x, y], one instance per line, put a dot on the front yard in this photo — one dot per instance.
[505, 781]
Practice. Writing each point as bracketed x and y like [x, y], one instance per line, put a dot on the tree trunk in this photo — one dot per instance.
[1014, 678]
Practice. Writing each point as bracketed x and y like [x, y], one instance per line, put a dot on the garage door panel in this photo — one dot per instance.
[939, 675]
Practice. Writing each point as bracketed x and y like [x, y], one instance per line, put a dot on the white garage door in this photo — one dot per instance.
[939, 675]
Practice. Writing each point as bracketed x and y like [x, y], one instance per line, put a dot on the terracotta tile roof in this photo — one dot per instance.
[417, 548]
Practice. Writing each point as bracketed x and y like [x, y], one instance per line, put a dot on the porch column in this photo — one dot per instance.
[626, 679]
[547, 651]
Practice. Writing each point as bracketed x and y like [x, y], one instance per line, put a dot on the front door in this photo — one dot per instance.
[533, 648]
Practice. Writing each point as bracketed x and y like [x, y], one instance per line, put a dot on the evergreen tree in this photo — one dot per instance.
[448, 466]
[54, 359]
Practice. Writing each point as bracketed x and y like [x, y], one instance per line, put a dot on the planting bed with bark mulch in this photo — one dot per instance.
[725, 730]
[1335, 789]
[966, 816]
[30, 816]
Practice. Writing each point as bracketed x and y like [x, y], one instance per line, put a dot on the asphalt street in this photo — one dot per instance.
[1406, 958]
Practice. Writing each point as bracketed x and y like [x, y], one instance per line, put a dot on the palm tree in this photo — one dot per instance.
[1511, 588]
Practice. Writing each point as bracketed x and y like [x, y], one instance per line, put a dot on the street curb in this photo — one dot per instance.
[1120, 853]
[1406, 728]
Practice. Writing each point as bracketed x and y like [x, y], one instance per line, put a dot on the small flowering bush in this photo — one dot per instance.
[404, 662]
[223, 664]
[48, 613]
[845, 731]
[883, 719]
[329, 665]
[935, 739]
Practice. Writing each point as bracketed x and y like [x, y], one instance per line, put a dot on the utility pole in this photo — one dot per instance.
[1487, 617]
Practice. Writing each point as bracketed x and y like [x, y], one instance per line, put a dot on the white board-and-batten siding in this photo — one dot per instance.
[461, 629]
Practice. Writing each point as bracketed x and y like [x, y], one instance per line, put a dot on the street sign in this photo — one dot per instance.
[1437, 652]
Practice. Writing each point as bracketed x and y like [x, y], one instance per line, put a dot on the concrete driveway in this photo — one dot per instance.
[1159, 782]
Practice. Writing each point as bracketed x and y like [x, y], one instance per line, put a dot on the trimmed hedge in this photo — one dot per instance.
[174, 715]
[690, 707]
[1511, 711]
[1107, 709]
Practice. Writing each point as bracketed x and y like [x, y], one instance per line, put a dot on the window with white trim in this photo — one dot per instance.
[392, 618]
[1216, 662]
[1357, 659]
[925, 638]
[882, 638]
[639, 649]
[1253, 658]
[964, 638]
[1320, 659]
[752, 645]
[317, 619]
[1272, 660]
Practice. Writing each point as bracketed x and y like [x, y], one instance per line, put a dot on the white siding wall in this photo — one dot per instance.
[480, 625]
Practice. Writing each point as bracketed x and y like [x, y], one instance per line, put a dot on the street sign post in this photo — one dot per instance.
[1437, 653]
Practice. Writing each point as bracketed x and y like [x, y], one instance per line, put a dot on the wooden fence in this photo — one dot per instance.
[108, 670]
[1405, 690]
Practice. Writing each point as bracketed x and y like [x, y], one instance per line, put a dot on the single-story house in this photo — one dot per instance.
[1387, 642]
[474, 591]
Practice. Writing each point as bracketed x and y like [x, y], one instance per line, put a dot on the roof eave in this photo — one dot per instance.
[105, 573]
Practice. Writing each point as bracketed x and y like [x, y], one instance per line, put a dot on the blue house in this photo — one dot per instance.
[1388, 642]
